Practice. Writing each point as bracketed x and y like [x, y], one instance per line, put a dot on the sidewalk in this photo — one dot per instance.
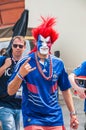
[79, 105]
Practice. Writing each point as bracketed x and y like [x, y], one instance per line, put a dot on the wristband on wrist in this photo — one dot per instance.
[20, 76]
[73, 113]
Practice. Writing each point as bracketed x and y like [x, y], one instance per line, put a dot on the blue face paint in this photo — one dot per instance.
[42, 44]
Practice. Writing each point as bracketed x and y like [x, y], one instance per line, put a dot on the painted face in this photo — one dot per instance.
[44, 44]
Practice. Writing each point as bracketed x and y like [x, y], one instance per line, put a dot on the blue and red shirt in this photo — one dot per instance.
[40, 105]
[81, 71]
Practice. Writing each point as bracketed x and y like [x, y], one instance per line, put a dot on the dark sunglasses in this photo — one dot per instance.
[17, 45]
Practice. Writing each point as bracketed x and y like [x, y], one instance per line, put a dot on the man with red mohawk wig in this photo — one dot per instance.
[40, 74]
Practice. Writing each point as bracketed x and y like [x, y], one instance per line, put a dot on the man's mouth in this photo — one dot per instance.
[45, 48]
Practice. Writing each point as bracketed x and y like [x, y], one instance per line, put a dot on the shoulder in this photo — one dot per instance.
[57, 60]
[2, 59]
[83, 63]
[23, 59]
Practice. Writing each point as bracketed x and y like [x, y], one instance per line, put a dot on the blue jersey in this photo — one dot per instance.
[40, 105]
[81, 71]
[7, 101]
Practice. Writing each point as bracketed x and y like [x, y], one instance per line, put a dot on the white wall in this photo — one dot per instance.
[71, 24]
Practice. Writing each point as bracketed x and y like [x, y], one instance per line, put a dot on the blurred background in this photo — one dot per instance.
[71, 25]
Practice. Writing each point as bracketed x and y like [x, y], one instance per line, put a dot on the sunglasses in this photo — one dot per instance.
[17, 45]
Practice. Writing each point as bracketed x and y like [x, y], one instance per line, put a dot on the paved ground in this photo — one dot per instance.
[80, 113]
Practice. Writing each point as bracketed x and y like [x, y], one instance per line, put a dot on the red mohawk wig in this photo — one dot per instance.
[45, 29]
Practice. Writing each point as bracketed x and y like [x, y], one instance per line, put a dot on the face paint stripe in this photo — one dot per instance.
[42, 44]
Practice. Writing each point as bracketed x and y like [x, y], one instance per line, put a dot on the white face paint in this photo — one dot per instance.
[42, 44]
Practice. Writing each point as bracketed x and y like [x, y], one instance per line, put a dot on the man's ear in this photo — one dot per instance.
[24, 46]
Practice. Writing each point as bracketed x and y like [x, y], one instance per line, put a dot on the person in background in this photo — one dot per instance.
[10, 106]
[40, 74]
[3, 51]
[79, 71]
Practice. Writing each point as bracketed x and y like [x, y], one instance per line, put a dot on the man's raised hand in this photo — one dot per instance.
[26, 68]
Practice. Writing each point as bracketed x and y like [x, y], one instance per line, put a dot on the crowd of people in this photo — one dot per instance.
[30, 84]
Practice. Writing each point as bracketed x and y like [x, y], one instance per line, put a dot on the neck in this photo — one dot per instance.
[41, 56]
[16, 58]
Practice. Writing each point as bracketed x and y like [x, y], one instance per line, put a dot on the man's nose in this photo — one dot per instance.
[44, 44]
